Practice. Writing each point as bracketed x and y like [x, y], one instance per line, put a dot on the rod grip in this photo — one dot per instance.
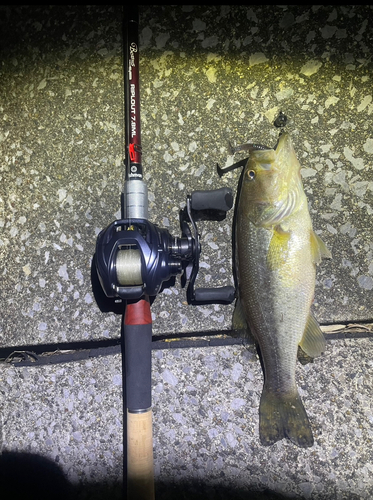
[138, 355]
[217, 199]
[140, 469]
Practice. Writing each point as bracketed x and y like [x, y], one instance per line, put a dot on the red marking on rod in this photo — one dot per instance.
[132, 152]
[138, 313]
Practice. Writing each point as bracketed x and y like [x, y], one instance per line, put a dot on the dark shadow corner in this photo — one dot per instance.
[34, 477]
[31, 476]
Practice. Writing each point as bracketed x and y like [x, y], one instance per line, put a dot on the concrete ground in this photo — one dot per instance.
[209, 74]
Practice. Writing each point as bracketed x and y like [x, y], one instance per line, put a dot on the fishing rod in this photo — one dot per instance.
[135, 259]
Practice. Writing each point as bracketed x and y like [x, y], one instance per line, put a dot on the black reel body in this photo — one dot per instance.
[134, 257]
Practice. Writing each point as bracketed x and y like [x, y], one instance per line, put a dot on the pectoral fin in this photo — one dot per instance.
[278, 248]
[319, 249]
[313, 340]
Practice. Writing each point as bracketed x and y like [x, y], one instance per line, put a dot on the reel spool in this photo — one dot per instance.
[128, 266]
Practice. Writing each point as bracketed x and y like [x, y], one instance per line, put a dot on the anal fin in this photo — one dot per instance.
[313, 340]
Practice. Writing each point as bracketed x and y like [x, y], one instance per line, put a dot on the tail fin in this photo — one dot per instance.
[283, 416]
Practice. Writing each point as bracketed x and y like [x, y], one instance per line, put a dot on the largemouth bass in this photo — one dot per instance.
[276, 255]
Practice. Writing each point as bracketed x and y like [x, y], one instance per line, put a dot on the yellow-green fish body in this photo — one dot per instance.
[276, 253]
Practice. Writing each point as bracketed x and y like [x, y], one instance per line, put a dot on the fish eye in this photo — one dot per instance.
[251, 175]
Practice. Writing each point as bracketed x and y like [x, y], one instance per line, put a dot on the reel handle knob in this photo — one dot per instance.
[221, 295]
[216, 199]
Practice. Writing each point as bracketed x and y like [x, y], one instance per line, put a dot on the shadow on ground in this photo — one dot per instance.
[32, 476]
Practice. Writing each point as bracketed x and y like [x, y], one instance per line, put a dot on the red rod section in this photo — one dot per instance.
[132, 99]
[138, 313]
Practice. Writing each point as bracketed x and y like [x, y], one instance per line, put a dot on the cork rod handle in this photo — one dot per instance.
[140, 470]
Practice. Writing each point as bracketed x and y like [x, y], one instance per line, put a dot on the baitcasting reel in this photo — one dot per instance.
[134, 257]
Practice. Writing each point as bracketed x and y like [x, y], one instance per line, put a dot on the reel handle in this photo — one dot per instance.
[220, 295]
[216, 199]
[206, 205]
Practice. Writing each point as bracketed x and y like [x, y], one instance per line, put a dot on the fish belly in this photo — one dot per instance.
[276, 298]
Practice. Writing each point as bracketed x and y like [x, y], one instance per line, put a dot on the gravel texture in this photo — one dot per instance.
[209, 74]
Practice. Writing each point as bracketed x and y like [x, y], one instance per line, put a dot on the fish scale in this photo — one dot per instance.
[276, 255]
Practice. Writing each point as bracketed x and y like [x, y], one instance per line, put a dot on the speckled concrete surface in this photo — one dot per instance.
[205, 424]
[209, 74]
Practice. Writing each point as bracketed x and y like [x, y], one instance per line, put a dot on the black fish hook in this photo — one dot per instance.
[221, 171]
[234, 149]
